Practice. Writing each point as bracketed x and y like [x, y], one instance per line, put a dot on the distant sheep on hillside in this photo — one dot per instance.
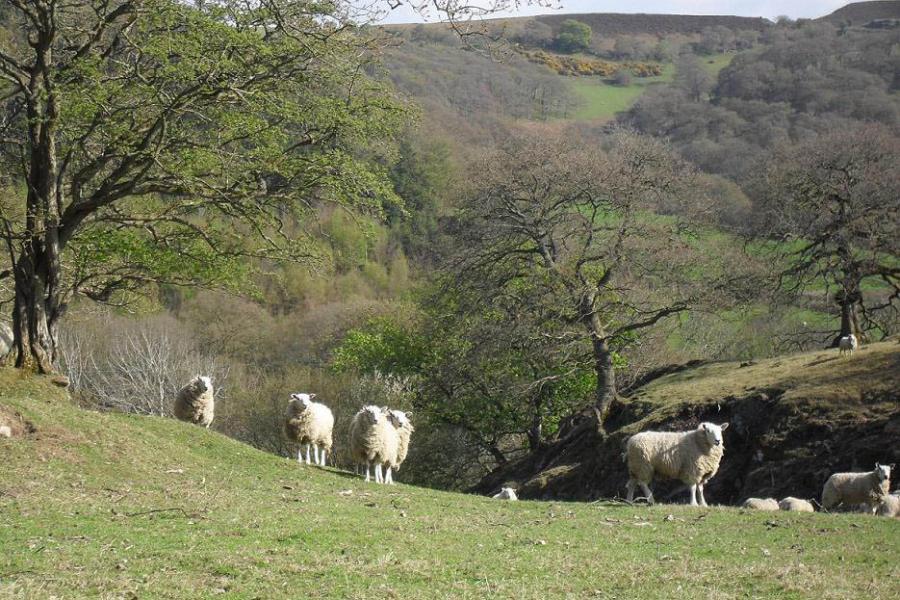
[310, 423]
[847, 344]
[857, 488]
[195, 402]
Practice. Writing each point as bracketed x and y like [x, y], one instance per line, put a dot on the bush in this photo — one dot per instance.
[573, 36]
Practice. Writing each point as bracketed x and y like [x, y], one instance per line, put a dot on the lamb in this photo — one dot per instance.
[890, 506]
[373, 441]
[506, 493]
[848, 344]
[691, 456]
[5, 431]
[760, 504]
[401, 423]
[310, 423]
[796, 505]
[857, 488]
[195, 402]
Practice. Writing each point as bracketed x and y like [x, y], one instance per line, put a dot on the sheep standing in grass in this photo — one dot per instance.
[506, 493]
[690, 456]
[890, 506]
[401, 423]
[857, 488]
[310, 423]
[373, 441]
[847, 344]
[796, 505]
[760, 504]
[195, 402]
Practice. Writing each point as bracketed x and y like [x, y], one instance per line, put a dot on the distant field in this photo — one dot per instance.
[601, 100]
[717, 62]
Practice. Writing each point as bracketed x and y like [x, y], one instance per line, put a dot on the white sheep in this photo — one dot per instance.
[796, 505]
[5, 431]
[848, 344]
[857, 488]
[195, 402]
[310, 423]
[373, 441]
[690, 456]
[760, 504]
[890, 506]
[400, 421]
[506, 493]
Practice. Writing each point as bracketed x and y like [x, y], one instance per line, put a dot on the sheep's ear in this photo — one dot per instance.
[311, 396]
[724, 426]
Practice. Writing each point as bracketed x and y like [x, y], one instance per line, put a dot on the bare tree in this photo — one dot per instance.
[582, 230]
[833, 205]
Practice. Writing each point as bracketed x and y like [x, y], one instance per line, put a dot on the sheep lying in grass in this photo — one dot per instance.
[310, 423]
[890, 506]
[857, 488]
[5, 431]
[760, 504]
[847, 344]
[691, 456]
[373, 441]
[796, 505]
[195, 402]
[506, 493]
[400, 421]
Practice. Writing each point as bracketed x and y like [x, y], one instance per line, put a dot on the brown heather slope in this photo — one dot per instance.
[860, 13]
[795, 419]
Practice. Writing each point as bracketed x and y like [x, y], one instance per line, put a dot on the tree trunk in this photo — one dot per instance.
[535, 432]
[36, 316]
[606, 380]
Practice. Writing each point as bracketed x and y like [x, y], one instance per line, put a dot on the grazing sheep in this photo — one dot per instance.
[5, 431]
[195, 402]
[857, 488]
[373, 441]
[847, 344]
[7, 339]
[796, 505]
[310, 423]
[691, 456]
[890, 506]
[506, 493]
[400, 421]
[760, 503]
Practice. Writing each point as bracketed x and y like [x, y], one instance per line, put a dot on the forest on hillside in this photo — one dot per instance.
[287, 199]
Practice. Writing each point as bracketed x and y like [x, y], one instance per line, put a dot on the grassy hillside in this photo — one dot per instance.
[860, 13]
[601, 100]
[110, 505]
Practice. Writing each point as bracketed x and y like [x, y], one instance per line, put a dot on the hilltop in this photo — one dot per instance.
[860, 13]
[796, 419]
[113, 505]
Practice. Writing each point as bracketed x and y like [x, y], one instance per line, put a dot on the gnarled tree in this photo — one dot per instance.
[162, 141]
[833, 205]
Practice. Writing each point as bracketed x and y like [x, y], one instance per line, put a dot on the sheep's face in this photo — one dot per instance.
[713, 433]
[398, 418]
[372, 413]
[303, 399]
[203, 382]
[883, 472]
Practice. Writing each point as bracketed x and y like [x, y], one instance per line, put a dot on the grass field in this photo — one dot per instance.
[601, 100]
[715, 63]
[117, 506]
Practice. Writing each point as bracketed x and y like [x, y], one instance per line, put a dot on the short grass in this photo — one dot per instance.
[716, 62]
[117, 506]
[601, 100]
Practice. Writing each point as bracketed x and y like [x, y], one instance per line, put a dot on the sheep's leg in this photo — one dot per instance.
[300, 455]
[693, 488]
[315, 454]
[367, 472]
[309, 462]
[323, 458]
[700, 493]
[629, 490]
[379, 476]
[388, 478]
[646, 489]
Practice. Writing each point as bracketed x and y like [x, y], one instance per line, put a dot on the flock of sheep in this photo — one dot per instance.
[379, 438]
